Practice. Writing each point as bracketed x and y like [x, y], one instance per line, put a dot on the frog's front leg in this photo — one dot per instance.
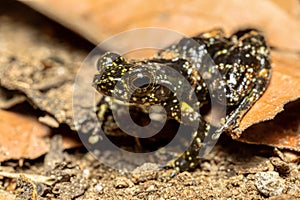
[188, 116]
[190, 157]
[103, 112]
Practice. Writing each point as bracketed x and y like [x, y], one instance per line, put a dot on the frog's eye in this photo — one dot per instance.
[141, 81]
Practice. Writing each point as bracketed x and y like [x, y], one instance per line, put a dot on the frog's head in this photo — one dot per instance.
[130, 81]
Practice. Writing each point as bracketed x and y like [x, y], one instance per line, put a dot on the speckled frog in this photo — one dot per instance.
[241, 60]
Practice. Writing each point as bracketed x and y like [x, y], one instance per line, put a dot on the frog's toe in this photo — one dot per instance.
[181, 164]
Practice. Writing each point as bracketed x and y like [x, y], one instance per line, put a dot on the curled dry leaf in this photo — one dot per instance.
[21, 136]
[284, 87]
[98, 20]
[24, 137]
[284, 130]
[291, 7]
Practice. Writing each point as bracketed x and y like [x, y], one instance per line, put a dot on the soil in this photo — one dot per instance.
[232, 170]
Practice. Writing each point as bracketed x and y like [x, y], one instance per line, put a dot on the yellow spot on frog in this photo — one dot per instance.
[185, 107]
[263, 73]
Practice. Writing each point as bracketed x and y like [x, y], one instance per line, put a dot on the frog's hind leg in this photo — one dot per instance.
[261, 81]
[233, 119]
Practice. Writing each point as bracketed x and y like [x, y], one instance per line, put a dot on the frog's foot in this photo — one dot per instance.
[188, 160]
[181, 164]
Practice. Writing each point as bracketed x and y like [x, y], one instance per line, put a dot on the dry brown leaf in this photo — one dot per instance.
[21, 136]
[284, 87]
[98, 20]
[291, 7]
[282, 132]
[24, 137]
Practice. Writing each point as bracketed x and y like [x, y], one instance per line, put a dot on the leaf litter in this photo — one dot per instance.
[219, 169]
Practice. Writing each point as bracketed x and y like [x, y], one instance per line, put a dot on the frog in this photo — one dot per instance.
[241, 59]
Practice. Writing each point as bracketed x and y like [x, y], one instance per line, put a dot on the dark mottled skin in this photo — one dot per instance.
[241, 59]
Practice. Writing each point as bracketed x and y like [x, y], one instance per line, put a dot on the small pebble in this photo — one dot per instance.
[269, 183]
[123, 182]
[99, 187]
